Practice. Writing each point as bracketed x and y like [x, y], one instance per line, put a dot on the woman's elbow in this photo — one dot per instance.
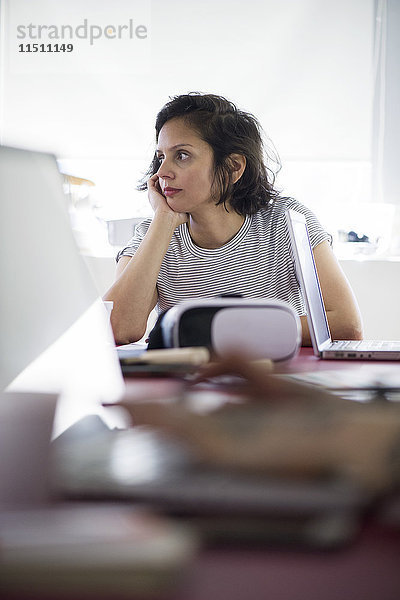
[354, 332]
[126, 335]
[349, 330]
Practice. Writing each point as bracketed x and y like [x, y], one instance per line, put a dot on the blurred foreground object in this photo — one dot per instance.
[284, 429]
[90, 551]
[50, 550]
[26, 421]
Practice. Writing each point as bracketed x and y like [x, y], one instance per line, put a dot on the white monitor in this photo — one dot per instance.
[55, 331]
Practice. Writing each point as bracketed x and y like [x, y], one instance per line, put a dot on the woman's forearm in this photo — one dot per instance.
[340, 327]
[134, 292]
[345, 325]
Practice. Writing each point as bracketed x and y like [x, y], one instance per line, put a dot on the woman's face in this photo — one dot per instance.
[186, 171]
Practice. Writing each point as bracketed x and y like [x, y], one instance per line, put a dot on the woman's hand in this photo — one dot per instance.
[159, 203]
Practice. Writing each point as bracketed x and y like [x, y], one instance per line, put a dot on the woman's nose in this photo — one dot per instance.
[165, 170]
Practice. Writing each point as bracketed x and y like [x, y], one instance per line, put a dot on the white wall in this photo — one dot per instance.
[376, 284]
[303, 67]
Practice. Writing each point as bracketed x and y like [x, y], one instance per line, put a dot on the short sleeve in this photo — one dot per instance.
[134, 243]
[315, 230]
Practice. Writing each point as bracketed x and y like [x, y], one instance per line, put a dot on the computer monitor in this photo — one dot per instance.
[55, 331]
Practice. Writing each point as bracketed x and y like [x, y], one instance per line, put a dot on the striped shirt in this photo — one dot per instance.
[255, 263]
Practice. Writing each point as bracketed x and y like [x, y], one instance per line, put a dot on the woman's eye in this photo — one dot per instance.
[180, 156]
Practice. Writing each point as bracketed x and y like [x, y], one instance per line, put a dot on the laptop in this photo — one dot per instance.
[55, 333]
[323, 345]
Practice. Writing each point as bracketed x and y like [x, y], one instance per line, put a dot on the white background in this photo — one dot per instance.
[303, 67]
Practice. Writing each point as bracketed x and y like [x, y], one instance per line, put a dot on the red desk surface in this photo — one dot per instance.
[369, 569]
[307, 361]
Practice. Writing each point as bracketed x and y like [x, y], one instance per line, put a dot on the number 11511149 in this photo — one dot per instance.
[45, 47]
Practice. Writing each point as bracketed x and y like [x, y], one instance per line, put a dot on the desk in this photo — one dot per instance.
[368, 569]
[307, 361]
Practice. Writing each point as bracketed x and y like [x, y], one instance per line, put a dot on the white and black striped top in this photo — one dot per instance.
[255, 263]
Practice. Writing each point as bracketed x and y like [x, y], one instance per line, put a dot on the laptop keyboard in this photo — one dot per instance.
[365, 345]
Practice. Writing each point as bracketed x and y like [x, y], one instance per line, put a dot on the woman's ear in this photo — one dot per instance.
[237, 164]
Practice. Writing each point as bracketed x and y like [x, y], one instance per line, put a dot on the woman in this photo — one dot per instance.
[218, 225]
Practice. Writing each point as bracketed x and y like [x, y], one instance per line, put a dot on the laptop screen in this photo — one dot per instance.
[308, 279]
[55, 333]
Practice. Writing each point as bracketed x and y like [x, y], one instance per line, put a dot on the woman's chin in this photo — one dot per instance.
[175, 206]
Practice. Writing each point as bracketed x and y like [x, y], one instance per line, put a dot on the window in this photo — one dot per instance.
[304, 68]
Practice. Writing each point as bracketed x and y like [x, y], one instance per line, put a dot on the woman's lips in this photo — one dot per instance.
[169, 191]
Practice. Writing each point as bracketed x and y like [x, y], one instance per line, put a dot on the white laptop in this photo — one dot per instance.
[55, 332]
[306, 272]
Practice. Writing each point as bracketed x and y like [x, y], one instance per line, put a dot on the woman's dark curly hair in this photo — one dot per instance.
[227, 130]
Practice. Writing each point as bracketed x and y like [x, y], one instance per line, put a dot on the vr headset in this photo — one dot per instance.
[257, 328]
